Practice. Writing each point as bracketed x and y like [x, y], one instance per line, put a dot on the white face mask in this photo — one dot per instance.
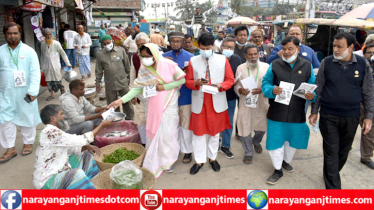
[292, 58]
[148, 61]
[109, 47]
[344, 55]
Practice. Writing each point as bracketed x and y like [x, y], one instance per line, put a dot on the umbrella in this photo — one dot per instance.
[117, 35]
[241, 21]
[365, 11]
[345, 22]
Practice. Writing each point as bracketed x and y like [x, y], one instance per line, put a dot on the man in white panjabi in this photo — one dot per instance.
[50, 62]
[251, 120]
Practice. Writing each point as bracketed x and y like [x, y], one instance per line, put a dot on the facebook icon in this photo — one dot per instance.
[11, 199]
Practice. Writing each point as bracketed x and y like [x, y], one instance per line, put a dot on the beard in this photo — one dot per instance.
[63, 125]
[13, 40]
[342, 56]
[49, 41]
[253, 64]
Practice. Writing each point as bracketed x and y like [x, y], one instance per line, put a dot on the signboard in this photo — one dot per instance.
[32, 6]
[52, 3]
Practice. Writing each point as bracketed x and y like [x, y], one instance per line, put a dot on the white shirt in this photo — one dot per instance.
[69, 39]
[54, 149]
[130, 43]
[218, 43]
[83, 41]
[50, 60]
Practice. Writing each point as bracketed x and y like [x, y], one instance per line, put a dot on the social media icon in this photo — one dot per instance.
[11, 199]
[151, 200]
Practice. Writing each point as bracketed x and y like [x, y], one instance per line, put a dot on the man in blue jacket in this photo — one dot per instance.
[305, 51]
[182, 57]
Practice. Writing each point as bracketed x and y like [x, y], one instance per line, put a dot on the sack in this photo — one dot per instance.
[42, 80]
[126, 175]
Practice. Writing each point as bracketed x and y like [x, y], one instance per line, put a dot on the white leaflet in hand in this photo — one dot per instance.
[285, 96]
[236, 79]
[149, 91]
[108, 113]
[209, 89]
[249, 83]
[303, 89]
[251, 101]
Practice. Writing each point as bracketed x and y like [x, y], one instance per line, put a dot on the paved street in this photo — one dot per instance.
[234, 174]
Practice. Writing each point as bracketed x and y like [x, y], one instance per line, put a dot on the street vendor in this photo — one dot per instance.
[74, 104]
[62, 160]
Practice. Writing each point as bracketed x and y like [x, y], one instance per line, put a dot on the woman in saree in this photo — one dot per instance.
[161, 110]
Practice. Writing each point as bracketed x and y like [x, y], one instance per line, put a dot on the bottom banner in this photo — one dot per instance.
[187, 199]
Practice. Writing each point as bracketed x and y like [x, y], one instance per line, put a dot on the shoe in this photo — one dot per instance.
[226, 151]
[215, 165]
[187, 158]
[274, 178]
[258, 148]
[195, 168]
[171, 170]
[247, 160]
[287, 167]
[369, 164]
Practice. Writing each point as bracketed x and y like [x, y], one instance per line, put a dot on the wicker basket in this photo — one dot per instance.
[107, 150]
[103, 181]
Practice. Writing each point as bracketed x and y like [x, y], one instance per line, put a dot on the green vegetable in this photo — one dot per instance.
[120, 155]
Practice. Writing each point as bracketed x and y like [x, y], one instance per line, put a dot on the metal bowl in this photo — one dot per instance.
[118, 116]
[70, 76]
[89, 91]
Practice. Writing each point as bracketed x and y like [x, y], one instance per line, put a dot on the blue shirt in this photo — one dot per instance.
[229, 30]
[305, 52]
[183, 56]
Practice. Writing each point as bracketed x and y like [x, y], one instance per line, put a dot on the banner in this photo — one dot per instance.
[187, 199]
[32, 6]
[52, 3]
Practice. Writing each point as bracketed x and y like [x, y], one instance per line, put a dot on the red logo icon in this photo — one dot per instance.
[151, 200]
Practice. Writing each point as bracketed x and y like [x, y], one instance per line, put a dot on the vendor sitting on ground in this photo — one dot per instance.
[62, 160]
[74, 104]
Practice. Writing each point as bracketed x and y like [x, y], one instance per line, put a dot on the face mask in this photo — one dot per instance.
[177, 50]
[109, 47]
[291, 59]
[241, 45]
[227, 53]
[206, 53]
[148, 61]
[344, 55]
[172, 30]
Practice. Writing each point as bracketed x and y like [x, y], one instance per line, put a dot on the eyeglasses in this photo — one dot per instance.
[257, 37]
[227, 47]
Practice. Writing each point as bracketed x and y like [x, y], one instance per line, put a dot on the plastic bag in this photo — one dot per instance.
[316, 127]
[126, 175]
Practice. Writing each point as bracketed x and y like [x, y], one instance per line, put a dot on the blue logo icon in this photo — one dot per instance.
[257, 199]
[11, 199]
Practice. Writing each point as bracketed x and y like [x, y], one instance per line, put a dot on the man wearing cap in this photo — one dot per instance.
[112, 61]
[182, 57]
[157, 38]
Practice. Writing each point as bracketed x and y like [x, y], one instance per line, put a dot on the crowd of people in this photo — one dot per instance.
[184, 100]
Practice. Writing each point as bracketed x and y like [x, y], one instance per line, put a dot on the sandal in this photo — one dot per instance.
[258, 148]
[187, 158]
[247, 160]
[26, 149]
[50, 98]
[5, 158]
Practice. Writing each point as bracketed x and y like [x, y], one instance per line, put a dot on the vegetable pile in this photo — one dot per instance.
[120, 155]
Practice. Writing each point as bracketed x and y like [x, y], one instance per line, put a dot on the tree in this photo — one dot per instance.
[282, 9]
[185, 9]
[238, 7]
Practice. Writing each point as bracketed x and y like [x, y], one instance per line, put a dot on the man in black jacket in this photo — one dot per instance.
[344, 81]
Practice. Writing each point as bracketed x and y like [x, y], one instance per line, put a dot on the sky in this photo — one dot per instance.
[149, 12]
